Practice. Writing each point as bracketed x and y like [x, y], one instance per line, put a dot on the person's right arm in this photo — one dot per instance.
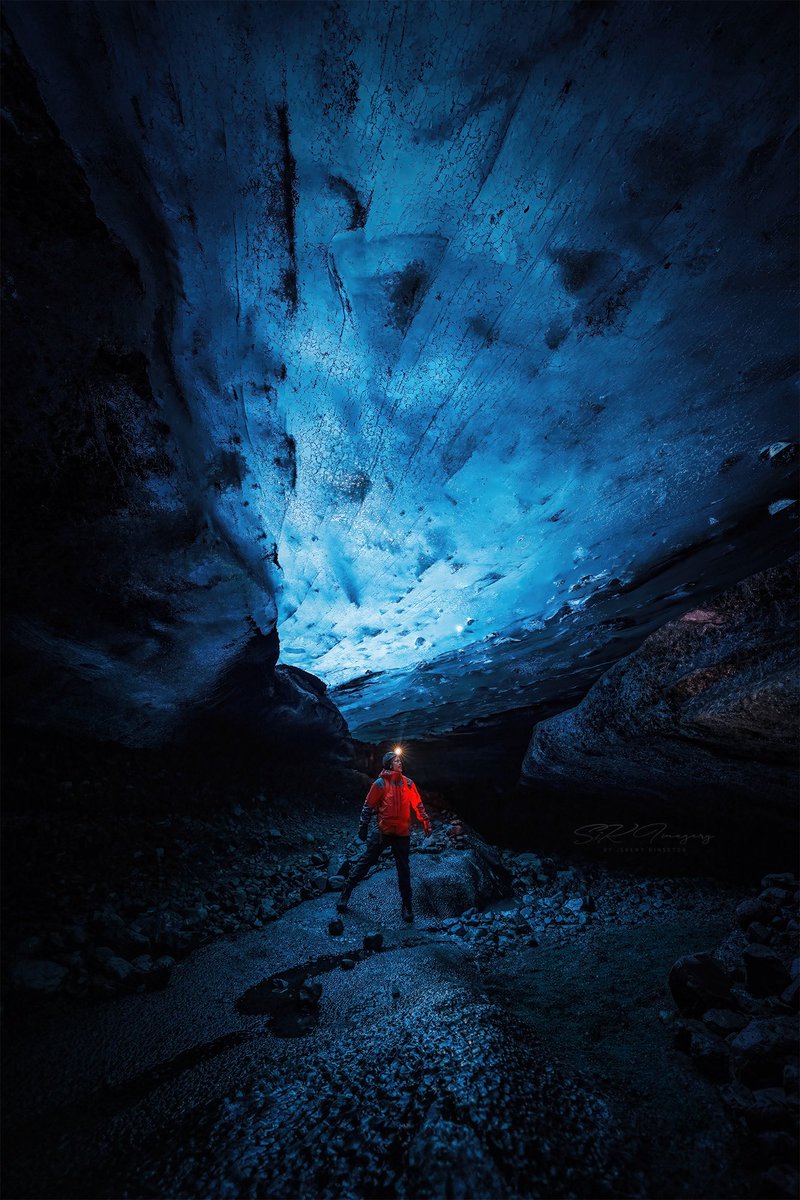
[369, 809]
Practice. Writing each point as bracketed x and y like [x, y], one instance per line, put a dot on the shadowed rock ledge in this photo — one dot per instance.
[705, 711]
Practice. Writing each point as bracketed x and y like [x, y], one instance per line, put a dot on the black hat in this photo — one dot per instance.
[389, 757]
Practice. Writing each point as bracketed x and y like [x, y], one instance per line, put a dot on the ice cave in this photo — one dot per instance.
[400, 596]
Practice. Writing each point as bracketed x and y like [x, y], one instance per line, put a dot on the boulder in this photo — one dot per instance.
[766, 973]
[455, 880]
[761, 1049]
[698, 982]
[709, 1053]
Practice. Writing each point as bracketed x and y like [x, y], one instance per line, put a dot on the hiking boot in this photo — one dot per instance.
[407, 914]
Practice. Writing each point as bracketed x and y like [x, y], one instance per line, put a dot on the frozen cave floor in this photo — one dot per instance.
[449, 1062]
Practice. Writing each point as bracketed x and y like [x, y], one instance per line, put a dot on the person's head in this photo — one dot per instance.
[392, 761]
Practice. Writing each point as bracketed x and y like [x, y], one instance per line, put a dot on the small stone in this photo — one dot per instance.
[162, 970]
[784, 880]
[373, 941]
[753, 910]
[38, 975]
[746, 1003]
[781, 1182]
[118, 969]
[527, 860]
[709, 1053]
[756, 932]
[723, 1021]
[761, 1048]
[347, 964]
[335, 927]
[791, 994]
[336, 883]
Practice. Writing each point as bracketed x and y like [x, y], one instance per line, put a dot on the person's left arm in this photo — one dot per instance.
[419, 809]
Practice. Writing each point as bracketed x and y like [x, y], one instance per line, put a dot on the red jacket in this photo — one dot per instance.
[392, 797]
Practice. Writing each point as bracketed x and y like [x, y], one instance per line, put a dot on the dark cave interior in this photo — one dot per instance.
[417, 375]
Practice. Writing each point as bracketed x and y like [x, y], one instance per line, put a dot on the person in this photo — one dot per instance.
[390, 799]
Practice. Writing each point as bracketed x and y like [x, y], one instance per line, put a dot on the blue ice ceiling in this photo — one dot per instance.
[483, 315]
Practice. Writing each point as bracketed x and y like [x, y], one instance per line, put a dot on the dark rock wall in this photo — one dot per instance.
[126, 606]
[700, 724]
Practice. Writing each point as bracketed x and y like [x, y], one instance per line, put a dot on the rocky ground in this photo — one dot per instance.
[116, 869]
[491, 1049]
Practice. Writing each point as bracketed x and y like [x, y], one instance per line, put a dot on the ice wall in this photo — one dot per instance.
[474, 323]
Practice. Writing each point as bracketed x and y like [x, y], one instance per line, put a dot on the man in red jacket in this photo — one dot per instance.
[391, 798]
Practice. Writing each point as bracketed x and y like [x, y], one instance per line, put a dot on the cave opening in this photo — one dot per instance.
[400, 641]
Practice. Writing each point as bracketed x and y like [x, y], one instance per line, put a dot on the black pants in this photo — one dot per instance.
[370, 855]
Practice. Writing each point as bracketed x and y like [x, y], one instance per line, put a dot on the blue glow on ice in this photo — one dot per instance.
[482, 295]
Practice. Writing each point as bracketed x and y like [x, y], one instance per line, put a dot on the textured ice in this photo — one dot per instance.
[478, 309]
